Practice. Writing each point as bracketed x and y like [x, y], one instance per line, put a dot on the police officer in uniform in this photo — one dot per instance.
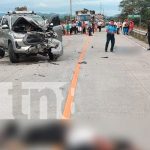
[111, 30]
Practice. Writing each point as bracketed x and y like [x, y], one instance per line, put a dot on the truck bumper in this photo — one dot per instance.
[21, 48]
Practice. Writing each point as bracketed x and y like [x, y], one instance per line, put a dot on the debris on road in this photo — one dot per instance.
[53, 63]
[83, 62]
[105, 57]
[40, 75]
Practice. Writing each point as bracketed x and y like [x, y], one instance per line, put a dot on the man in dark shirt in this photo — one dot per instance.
[148, 34]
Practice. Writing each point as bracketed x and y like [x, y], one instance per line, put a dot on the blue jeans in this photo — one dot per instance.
[125, 30]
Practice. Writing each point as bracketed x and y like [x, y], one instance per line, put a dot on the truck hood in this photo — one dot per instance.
[29, 20]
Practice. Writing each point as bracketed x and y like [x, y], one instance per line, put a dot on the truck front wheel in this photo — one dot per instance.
[51, 56]
[2, 53]
[14, 58]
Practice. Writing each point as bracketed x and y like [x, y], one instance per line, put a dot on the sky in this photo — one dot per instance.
[110, 7]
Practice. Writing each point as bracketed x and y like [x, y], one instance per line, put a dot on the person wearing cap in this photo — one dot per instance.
[111, 30]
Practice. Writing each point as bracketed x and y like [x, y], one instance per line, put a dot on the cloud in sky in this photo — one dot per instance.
[62, 6]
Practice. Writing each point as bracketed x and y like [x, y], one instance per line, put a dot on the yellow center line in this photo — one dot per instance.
[73, 85]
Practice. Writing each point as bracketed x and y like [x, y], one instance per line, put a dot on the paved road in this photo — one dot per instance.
[110, 91]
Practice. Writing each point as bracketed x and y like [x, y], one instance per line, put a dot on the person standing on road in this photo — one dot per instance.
[74, 27]
[93, 27]
[71, 28]
[80, 27]
[148, 34]
[90, 29]
[125, 27]
[77, 26]
[84, 27]
[67, 28]
[99, 25]
[131, 26]
[118, 27]
[111, 30]
[64, 28]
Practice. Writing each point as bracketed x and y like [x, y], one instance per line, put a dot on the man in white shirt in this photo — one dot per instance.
[99, 24]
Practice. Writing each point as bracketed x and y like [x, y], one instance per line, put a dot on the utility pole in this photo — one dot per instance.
[70, 9]
[100, 7]
[103, 11]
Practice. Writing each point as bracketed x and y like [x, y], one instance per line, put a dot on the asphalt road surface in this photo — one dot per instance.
[110, 91]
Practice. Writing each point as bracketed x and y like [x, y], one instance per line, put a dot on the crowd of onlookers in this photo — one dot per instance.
[86, 27]
[82, 27]
[126, 27]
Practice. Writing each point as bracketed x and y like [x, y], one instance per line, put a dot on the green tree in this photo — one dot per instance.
[134, 7]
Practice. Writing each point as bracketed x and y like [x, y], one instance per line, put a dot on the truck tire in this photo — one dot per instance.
[55, 57]
[51, 56]
[14, 58]
[2, 53]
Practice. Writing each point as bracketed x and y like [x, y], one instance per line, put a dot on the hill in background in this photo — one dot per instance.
[2, 14]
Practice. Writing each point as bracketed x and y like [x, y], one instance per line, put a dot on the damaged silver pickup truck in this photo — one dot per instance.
[25, 33]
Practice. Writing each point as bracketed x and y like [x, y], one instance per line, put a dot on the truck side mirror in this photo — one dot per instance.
[5, 27]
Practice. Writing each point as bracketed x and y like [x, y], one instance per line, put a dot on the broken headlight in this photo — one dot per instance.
[51, 34]
[55, 35]
[33, 38]
[17, 36]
